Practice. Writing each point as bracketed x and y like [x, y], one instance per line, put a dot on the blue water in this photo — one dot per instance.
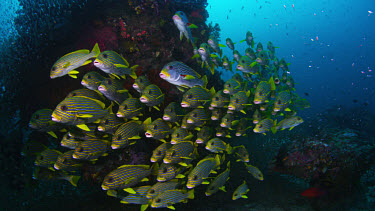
[335, 69]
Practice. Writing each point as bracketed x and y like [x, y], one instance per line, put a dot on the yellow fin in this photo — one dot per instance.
[144, 207]
[96, 50]
[53, 134]
[189, 77]
[135, 137]
[205, 182]
[122, 91]
[156, 108]
[83, 127]
[130, 190]
[86, 62]
[84, 115]
[171, 207]
[145, 179]
[73, 72]
[112, 193]
[73, 76]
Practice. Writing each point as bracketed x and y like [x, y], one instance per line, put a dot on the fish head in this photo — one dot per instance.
[63, 113]
[57, 70]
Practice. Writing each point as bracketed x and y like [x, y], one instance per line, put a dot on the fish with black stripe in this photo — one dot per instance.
[127, 134]
[47, 158]
[113, 90]
[240, 191]
[180, 134]
[158, 129]
[228, 121]
[202, 170]
[159, 153]
[196, 97]
[180, 152]
[238, 101]
[173, 113]
[66, 162]
[140, 83]
[92, 80]
[282, 101]
[219, 182]
[110, 123]
[127, 176]
[152, 96]
[91, 149]
[161, 187]
[263, 126]
[232, 86]
[219, 100]
[70, 141]
[130, 108]
[216, 145]
[168, 171]
[170, 197]
[114, 64]
[197, 117]
[262, 92]
[69, 62]
[204, 135]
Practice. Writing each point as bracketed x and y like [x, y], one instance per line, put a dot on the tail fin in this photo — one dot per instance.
[191, 194]
[155, 169]
[204, 79]
[74, 180]
[112, 193]
[132, 74]
[96, 50]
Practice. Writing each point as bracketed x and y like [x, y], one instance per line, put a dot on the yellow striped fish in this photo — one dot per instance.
[159, 153]
[127, 176]
[111, 62]
[240, 191]
[160, 187]
[113, 90]
[47, 158]
[126, 134]
[282, 100]
[69, 141]
[262, 92]
[169, 197]
[180, 134]
[141, 83]
[91, 149]
[110, 123]
[130, 108]
[66, 162]
[202, 170]
[219, 182]
[152, 96]
[69, 62]
[92, 80]
[158, 130]
[180, 152]
[204, 134]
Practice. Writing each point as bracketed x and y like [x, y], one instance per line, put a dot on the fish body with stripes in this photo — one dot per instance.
[253, 170]
[66, 162]
[204, 135]
[238, 101]
[69, 62]
[159, 153]
[214, 44]
[227, 64]
[180, 134]
[140, 83]
[263, 126]
[92, 80]
[241, 153]
[126, 134]
[196, 97]
[110, 123]
[79, 110]
[181, 75]
[219, 182]
[217, 145]
[229, 120]
[86, 93]
[240, 191]
[262, 92]
[158, 129]
[161, 187]
[216, 114]
[130, 108]
[202, 170]
[127, 176]
[246, 65]
[113, 63]
[69, 141]
[232, 86]
[181, 21]
[205, 54]
[282, 101]
[91, 149]
[289, 123]
[179, 152]
[249, 52]
[41, 121]
[113, 90]
[242, 127]
[173, 112]
[170, 197]
[45, 174]
[47, 158]
[197, 117]
[219, 100]
[152, 96]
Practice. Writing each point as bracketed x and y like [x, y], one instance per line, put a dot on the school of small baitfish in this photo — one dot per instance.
[204, 118]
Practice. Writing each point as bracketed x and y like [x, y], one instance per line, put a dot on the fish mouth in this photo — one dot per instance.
[166, 161]
[55, 118]
[276, 109]
[223, 125]
[184, 105]
[255, 122]
[104, 187]
[183, 126]
[214, 118]
[213, 105]
[190, 186]
[259, 60]
[262, 108]
[199, 141]
[143, 99]
[74, 156]
[166, 118]
[56, 167]
[153, 160]
[173, 141]
[226, 91]
[83, 83]
[119, 115]
[201, 50]
[231, 108]
[238, 134]
[207, 147]
[32, 126]
[225, 63]
[148, 134]
[101, 88]
[176, 17]
[100, 128]
[135, 86]
[160, 180]
[255, 130]
[240, 67]
[115, 146]
[257, 102]
[96, 62]
[207, 194]
[190, 121]
[219, 134]
[163, 74]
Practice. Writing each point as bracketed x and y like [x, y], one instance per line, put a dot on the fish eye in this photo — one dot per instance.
[228, 85]
[195, 177]
[37, 116]
[212, 143]
[260, 93]
[279, 102]
[105, 55]
[243, 61]
[41, 157]
[119, 137]
[157, 200]
[171, 110]
[260, 126]
[173, 153]
[80, 149]
[158, 153]
[237, 100]
[63, 108]
[109, 82]
[150, 92]
[140, 80]
[165, 170]
[125, 107]
[177, 135]
[190, 96]
[106, 122]
[64, 161]
[74, 94]
[152, 191]
[53, 68]
[170, 67]
[235, 194]
[89, 76]
[194, 115]
[217, 98]
[110, 179]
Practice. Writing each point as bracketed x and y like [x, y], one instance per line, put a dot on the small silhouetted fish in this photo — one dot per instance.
[307, 94]
[260, 7]
[227, 17]
[365, 103]
[230, 11]
[355, 101]
[242, 7]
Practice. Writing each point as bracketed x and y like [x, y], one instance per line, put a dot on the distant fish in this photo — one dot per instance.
[307, 94]
[355, 101]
